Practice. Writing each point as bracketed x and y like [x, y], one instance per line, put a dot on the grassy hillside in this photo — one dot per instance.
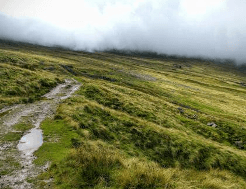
[137, 121]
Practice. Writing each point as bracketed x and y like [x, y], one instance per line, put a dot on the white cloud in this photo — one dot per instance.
[214, 28]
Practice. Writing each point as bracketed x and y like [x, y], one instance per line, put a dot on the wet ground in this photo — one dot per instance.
[16, 157]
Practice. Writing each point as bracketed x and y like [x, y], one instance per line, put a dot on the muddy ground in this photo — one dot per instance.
[16, 156]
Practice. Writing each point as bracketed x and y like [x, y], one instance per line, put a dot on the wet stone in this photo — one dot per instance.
[212, 124]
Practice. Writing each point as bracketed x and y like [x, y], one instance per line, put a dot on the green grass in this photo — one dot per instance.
[58, 141]
[136, 122]
[18, 132]
[22, 127]
[12, 136]
[8, 165]
[22, 79]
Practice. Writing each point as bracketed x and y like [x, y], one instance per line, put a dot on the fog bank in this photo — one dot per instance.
[215, 30]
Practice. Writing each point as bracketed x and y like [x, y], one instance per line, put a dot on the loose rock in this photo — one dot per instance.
[239, 144]
[212, 124]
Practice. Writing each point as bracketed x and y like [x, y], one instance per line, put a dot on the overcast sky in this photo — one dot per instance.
[211, 28]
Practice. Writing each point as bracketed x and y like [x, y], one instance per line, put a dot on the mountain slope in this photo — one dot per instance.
[136, 122]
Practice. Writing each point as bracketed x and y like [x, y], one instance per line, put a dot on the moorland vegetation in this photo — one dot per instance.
[139, 120]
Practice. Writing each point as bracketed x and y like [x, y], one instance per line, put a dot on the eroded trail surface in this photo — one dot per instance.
[16, 157]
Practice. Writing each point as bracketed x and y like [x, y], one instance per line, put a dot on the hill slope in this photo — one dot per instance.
[135, 122]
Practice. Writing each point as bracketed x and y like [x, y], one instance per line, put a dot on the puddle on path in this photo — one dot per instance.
[33, 113]
[30, 142]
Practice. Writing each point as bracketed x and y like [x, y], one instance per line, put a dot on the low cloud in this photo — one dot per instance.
[159, 26]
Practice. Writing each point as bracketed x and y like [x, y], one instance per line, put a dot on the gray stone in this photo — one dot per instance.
[239, 144]
[212, 124]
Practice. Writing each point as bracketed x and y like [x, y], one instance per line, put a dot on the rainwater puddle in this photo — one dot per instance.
[31, 141]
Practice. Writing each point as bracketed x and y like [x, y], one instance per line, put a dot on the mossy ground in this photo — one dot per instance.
[135, 122]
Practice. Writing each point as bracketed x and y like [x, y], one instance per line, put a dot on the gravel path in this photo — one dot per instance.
[22, 151]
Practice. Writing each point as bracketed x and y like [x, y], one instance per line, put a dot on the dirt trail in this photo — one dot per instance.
[22, 151]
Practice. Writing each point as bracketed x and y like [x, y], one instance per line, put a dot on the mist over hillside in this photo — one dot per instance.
[213, 30]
